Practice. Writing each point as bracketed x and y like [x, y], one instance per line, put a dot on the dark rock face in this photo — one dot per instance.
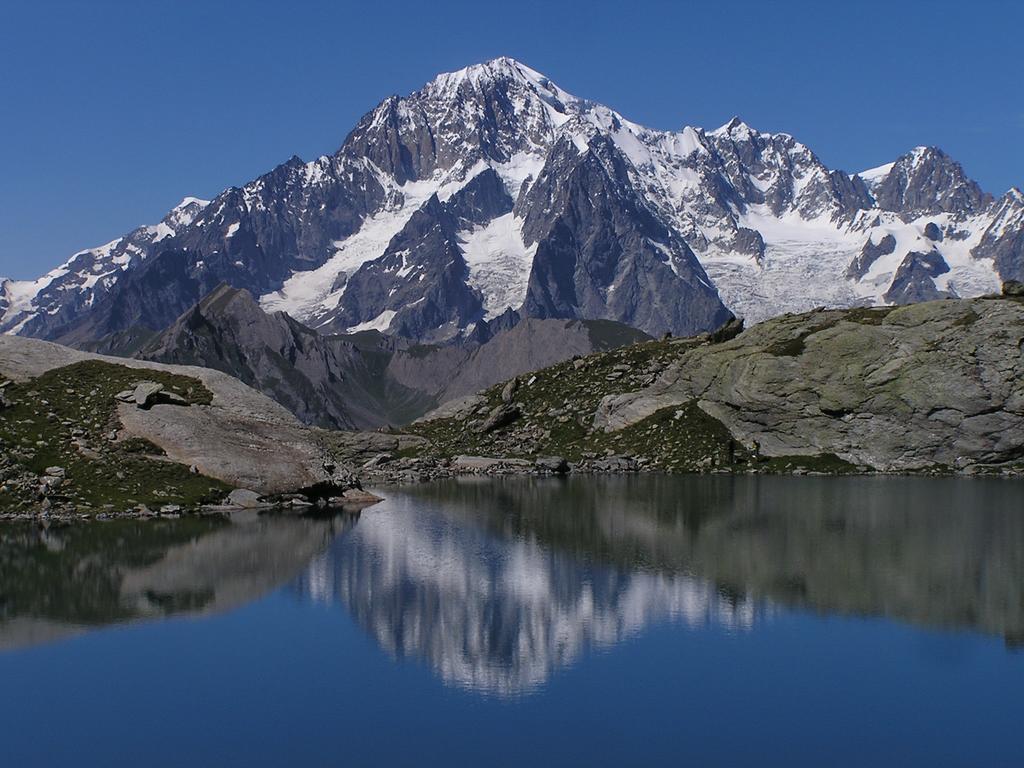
[932, 232]
[750, 242]
[601, 252]
[326, 381]
[481, 200]
[869, 254]
[1013, 288]
[913, 281]
[1003, 241]
[927, 181]
[362, 381]
[422, 280]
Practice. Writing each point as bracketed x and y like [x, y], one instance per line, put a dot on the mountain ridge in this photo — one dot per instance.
[665, 230]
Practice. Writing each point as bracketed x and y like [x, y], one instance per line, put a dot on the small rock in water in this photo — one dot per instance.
[359, 496]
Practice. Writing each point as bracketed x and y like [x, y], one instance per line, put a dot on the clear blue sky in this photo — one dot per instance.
[110, 112]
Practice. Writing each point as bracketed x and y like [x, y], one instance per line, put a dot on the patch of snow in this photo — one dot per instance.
[874, 176]
[499, 263]
[380, 323]
[160, 232]
[793, 276]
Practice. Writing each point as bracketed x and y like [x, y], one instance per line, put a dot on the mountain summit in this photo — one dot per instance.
[492, 189]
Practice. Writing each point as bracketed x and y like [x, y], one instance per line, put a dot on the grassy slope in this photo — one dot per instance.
[558, 408]
[64, 418]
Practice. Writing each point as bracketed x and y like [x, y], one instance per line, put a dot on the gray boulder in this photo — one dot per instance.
[508, 392]
[244, 498]
[146, 392]
[554, 464]
[500, 417]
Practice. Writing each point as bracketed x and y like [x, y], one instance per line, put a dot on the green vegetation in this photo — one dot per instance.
[67, 418]
[558, 403]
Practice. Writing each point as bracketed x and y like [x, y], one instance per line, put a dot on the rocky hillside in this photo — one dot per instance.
[937, 386]
[491, 189]
[360, 381]
[84, 435]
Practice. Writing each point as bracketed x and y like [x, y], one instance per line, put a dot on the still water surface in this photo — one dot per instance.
[614, 621]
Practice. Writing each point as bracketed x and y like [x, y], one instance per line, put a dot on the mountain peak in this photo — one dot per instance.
[502, 66]
[927, 181]
[500, 70]
[735, 128]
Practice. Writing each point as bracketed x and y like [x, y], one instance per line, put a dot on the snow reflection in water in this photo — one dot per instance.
[496, 613]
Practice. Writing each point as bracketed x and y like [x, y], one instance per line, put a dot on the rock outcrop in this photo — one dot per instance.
[233, 434]
[933, 384]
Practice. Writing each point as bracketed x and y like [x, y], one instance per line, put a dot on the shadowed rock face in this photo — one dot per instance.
[497, 585]
[602, 254]
[914, 279]
[933, 384]
[869, 255]
[327, 381]
[928, 181]
[364, 381]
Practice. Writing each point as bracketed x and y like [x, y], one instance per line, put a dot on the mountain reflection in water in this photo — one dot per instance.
[496, 584]
[60, 582]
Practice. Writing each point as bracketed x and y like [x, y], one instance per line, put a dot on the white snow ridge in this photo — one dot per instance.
[773, 227]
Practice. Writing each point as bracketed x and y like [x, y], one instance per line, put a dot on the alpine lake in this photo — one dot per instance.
[625, 620]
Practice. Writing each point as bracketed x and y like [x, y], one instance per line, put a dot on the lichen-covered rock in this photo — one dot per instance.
[932, 384]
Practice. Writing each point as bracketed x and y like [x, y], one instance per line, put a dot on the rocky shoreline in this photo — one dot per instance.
[935, 388]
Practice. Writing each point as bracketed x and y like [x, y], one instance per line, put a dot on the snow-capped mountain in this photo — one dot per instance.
[493, 189]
